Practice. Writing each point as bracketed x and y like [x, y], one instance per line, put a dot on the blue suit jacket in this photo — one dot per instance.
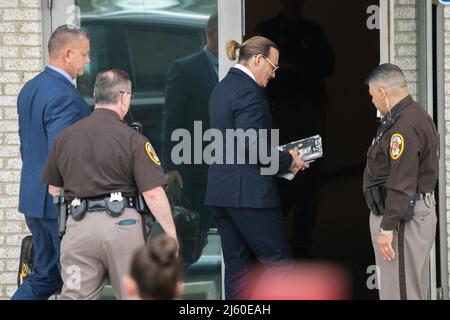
[46, 105]
[238, 102]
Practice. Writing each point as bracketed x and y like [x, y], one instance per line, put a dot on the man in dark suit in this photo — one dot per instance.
[46, 105]
[244, 200]
[189, 85]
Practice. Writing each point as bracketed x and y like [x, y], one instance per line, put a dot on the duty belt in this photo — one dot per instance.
[114, 204]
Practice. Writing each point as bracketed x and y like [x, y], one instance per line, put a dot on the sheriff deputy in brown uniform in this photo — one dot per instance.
[399, 182]
[102, 164]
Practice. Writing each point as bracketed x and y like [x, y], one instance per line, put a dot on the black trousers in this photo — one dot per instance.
[248, 233]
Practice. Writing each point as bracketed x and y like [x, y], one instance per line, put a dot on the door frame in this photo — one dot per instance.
[387, 49]
[425, 95]
[233, 12]
[440, 77]
[54, 14]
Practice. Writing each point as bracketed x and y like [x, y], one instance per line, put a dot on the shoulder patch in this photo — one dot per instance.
[152, 154]
[397, 146]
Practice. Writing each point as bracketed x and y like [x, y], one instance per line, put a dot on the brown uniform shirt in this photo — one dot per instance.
[100, 155]
[404, 158]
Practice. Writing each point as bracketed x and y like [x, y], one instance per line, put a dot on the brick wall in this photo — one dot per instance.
[20, 60]
[405, 40]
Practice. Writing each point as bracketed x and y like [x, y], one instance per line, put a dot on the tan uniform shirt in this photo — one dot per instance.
[404, 157]
[100, 155]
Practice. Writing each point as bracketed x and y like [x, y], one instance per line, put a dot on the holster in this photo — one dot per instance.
[376, 201]
[144, 210]
[78, 212]
[141, 206]
[408, 215]
[61, 207]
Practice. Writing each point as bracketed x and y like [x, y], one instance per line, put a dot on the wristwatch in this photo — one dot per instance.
[386, 232]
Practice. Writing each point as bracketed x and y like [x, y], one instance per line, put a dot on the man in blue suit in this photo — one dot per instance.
[46, 105]
[244, 201]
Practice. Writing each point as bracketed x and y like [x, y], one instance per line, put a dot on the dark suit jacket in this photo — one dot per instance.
[238, 102]
[46, 105]
[190, 82]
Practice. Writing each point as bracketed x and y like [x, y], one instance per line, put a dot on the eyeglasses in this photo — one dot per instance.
[275, 67]
[127, 92]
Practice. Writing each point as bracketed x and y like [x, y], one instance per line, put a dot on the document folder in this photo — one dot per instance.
[310, 149]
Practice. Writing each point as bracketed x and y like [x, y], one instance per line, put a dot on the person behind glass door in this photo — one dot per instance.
[190, 82]
[298, 100]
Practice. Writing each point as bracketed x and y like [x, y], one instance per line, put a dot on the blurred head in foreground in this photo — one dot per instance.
[300, 282]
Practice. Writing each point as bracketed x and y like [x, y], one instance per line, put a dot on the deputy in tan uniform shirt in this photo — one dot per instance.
[399, 181]
[97, 158]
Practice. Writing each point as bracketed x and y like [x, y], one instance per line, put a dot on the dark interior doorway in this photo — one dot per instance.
[346, 119]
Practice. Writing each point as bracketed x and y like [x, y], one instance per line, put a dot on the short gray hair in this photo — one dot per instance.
[65, 35]
[108, 85]
[388, 76]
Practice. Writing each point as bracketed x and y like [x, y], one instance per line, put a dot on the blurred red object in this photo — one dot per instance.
[299, 282]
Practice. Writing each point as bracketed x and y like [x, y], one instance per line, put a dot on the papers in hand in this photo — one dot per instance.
[310, 149]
